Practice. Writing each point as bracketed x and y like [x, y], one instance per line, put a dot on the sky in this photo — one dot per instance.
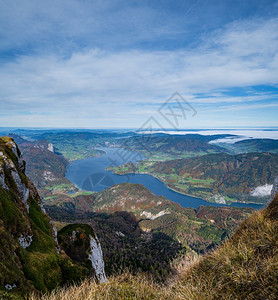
[138, 64]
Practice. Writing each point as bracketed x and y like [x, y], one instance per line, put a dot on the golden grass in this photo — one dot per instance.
[125, 286]
[245, 267]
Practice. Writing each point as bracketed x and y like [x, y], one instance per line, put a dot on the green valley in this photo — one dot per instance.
[220, 177]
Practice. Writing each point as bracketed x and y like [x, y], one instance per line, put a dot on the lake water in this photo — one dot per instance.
[90, 174]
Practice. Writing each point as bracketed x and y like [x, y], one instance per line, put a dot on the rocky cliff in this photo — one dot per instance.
[30, 257]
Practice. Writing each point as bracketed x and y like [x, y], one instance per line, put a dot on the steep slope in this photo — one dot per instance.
[245, 267]
[46, 168]
[43, 166]
[29, 252]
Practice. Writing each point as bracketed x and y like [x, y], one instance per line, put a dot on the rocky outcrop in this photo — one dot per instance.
[2, 179]
[151, 216]
[96, 257]
[25, 241]
[13, 167]
[81, 244]
[21, 187]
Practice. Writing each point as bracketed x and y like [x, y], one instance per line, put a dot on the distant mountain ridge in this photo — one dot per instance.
[172, 144]
[250, 145]
[256, 145]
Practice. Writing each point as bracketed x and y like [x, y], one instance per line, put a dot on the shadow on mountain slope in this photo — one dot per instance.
[125, 245]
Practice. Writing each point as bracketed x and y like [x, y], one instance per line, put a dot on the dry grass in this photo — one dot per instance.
[124, 286]
[245, 267]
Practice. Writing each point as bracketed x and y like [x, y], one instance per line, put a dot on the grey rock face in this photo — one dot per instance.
[16, 152]
[22, 189]
[25, 240]
[274, 190]
[2, 180]
[55, 236]
[21, 164]
[96, 257]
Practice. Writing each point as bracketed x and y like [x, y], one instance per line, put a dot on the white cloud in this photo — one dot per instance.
[240, 134]
[92, 82]
[262, 191]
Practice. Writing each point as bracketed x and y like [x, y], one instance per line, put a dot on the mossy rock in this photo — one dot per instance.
[72, 272]
[74, 239]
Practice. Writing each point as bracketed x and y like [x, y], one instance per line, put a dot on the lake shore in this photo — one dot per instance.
[180, 192]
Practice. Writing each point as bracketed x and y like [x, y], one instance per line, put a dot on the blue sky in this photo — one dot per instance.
[98, 64]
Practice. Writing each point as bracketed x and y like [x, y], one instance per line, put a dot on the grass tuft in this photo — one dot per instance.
[125, 286]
